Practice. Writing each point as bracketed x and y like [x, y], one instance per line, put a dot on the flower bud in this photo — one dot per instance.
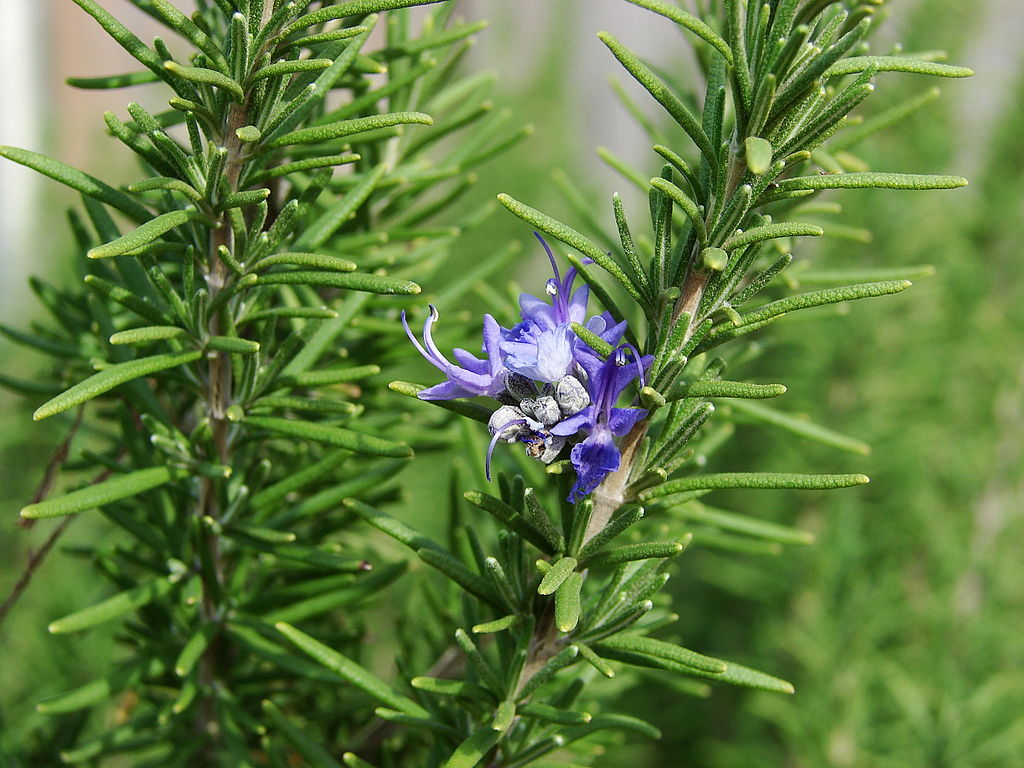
[571, 395]
[519, 387]
[544, 409]
[508, 423]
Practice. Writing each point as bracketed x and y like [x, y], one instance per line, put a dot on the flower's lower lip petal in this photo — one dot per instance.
[446, 390]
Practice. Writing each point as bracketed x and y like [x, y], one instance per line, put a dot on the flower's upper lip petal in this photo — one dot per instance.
[492, 344]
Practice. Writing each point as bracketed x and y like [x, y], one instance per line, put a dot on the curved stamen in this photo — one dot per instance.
[428, 338]
[639, 364]
[551, 256]
[494, 441]
[408, 332]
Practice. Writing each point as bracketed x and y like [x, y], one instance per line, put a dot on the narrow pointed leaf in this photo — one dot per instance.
[111, 377]
[92, 496]
[559, 572]
[331, 435]
[147, 233]
[871, 180]
[321, 133]
[352, 281]
[467, 408]
[802, 427]
[354, 673]
[113, 607]
[567, 602]
[854, 64]
[754, 480]
[470, 752]
[77, 180]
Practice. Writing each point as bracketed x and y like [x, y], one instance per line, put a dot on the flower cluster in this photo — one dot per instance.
[553, 388]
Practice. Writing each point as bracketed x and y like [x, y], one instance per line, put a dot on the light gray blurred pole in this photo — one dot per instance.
[20, 89]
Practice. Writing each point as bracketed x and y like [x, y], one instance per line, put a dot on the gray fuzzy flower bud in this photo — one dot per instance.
[571, 395]
[519, 387]
[544, 409]
[501, 423]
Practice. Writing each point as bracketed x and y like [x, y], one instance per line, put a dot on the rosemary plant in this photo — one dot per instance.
[221, 352]
[572, 577]
[241, 459]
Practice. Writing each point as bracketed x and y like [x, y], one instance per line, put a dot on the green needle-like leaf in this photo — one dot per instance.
[113, 607]
[559, 572]
[770, 231]
[567, 602]
[106, 492]
[206, 77]
[466, 408]
[872, 180]
[471, 751]
[331, 435]
[111, 377]
[854, 64]
[663, 95]
[572, 238]
[311, 751]
[690, 22]
[354, 673]
[754, 480]
[148, 232]
[77, 180]
[342, 128]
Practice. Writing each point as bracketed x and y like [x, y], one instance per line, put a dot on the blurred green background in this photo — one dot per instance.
[902, 627]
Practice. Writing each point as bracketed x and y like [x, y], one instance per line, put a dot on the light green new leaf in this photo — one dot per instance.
[354, 673]
[559, 572]
[568, 605]
[111, 377]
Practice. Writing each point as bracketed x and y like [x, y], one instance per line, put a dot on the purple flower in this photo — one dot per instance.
[543, 347]
[597, 455]
[475, 377]
[554, 389]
